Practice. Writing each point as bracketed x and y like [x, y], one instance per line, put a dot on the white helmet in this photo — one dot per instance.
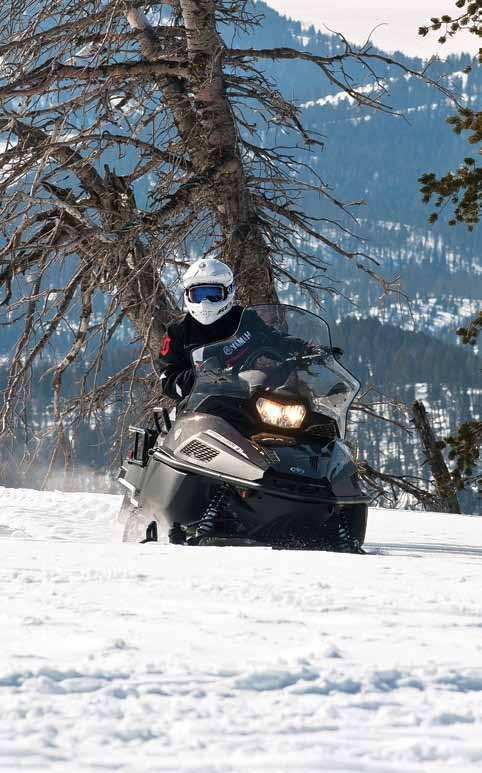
[208, 290]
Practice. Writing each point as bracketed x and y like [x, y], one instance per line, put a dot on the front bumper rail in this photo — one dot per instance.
[160, 455]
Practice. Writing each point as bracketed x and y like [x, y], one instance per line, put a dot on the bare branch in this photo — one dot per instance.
[37, 81]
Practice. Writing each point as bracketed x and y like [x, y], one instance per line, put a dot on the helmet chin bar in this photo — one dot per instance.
[208, 312]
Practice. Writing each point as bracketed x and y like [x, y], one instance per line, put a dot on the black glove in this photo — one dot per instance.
[291, 344]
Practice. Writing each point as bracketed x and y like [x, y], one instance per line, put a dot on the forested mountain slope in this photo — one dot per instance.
[389, 356]
[376, 157]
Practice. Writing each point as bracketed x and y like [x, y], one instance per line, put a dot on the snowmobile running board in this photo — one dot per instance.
[161, 456]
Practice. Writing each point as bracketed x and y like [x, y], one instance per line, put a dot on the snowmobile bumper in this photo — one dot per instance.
[310, 493]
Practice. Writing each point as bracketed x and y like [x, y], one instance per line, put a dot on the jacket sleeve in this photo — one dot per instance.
[177, 376]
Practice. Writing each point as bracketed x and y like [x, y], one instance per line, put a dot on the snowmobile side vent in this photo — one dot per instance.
[314, 463]
[199, 451]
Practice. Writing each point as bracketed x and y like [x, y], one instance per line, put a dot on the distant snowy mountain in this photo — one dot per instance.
[378, 158]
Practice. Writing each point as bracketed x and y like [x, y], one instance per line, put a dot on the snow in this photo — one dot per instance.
[304, 40]
[341, 96]
[453, 79]
[436, 316]
[157, 658]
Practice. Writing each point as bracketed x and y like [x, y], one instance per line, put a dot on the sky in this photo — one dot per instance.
[400, 19]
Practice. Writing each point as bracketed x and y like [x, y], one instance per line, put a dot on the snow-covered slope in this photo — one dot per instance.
[157, 658]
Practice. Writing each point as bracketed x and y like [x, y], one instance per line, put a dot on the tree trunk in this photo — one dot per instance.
[208, 130]
[244, 247]
[443, 481]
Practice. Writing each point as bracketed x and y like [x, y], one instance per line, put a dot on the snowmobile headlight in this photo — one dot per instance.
[289, 416]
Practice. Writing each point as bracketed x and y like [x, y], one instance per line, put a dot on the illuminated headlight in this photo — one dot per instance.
[280, 414]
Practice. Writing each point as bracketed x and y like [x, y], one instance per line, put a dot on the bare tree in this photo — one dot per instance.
[433, 488]
[433, 452]
[132, 138]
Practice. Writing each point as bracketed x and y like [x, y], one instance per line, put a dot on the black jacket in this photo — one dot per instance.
[177, 375]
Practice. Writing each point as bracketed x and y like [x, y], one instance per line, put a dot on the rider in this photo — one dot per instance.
[211, 316]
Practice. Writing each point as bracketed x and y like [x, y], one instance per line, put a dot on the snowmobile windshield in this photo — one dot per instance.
[277, 350]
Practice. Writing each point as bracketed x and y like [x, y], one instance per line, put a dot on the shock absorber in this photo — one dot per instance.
[214, 516]
[345, 542]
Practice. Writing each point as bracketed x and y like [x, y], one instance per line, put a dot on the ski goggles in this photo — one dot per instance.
[213, 293]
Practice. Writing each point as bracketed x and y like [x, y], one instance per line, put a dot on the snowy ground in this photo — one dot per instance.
[157, 658]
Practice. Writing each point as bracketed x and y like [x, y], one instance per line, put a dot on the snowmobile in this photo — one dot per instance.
[259, 440]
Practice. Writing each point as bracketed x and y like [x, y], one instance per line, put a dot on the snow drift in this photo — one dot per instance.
[156, 658]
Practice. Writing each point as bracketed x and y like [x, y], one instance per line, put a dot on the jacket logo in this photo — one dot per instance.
[166, 346]
[237, 344]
